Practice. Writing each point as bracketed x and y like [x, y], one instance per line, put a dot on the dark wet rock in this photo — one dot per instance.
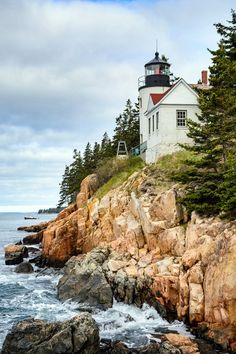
[14, 259]
[24, 267]
[32, 250]
[37, 260]
[14, 254]
[86, 283]
[78, 335]
[89, 279]
[167, 348]
[34, 228]
[109, 347]
[33, 239]
[55, 272]
[18, 243]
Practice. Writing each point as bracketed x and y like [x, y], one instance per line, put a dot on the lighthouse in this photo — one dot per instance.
[164, 109]
[155, 81]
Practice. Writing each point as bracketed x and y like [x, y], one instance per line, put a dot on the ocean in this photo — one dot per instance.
[34, 295]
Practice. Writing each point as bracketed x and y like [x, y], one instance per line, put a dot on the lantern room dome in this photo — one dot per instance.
[157, 60]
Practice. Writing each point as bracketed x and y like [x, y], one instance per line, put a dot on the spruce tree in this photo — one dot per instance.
[88, 159]
[214, 135]
[64, 188]
[127, 126]
[76, 175]
[96, 154]
[107, 149]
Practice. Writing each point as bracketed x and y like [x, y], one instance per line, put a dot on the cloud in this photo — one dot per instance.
[67, 68]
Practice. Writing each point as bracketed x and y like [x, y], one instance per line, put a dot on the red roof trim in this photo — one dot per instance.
[156, 97]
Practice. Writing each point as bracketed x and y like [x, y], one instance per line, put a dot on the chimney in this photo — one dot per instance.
[204, 77]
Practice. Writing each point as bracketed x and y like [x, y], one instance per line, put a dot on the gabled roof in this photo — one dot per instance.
[158, 98]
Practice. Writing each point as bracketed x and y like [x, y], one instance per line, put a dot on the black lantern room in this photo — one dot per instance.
[157, 72]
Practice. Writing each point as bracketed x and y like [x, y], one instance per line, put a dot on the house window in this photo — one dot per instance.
[157, 120]
[153, 123]
[149, 126]
[181, 117]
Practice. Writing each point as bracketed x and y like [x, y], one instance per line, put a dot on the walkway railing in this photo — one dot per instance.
[141, 81]
[139, 149]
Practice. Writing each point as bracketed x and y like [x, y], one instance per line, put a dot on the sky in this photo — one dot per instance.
[67, 68]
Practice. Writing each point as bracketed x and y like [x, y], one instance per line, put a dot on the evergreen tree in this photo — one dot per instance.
[96, 154]
[127, 126]
[107, 149]
[64, 187]
[76, 175]
[88, 159]
[214, 136]
[71, 179]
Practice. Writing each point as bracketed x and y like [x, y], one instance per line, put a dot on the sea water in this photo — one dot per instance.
[34, 295]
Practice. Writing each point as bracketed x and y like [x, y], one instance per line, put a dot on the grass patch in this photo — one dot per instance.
[121, 170]
[174, 163]
[163, 173]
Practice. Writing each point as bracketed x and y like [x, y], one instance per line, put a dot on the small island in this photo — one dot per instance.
[55, 210]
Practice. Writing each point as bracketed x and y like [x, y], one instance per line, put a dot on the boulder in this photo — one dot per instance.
[33, 239]
[14, 254]
[178, 344]
[24, 267]
[166, 207]
[34, 228]
[86, 282]
[115, 265]
[77, 335]
[88, 187]
[109, 347]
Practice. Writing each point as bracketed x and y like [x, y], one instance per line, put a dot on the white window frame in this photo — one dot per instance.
[153, 123]
[181, 118]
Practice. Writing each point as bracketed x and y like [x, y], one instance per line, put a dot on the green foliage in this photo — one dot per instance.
[127, 127]
[99, 157]
[114, 172]
[211, 176]
[50, 211]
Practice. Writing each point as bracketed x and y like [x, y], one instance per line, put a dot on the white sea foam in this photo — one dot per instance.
[134, 326]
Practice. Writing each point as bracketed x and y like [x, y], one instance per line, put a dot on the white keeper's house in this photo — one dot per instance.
[164, 109]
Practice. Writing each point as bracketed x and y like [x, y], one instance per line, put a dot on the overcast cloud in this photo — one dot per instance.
[67, 69]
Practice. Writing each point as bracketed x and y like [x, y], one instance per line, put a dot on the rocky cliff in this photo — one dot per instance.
[188, 262]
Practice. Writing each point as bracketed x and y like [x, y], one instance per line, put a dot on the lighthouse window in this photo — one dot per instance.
[181, 118]
[149, 126]
[153, 123]
[157, 120]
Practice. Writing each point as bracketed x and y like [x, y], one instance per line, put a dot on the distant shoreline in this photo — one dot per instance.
[50, 210]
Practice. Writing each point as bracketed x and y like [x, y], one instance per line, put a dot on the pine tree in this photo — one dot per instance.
[107, 149]
[96, 154]
[88, 159]
[64, 188]
[76, 175]
[127, 126]
[214, 136]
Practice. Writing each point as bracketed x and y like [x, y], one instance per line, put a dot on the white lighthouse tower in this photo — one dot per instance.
[155, 81]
